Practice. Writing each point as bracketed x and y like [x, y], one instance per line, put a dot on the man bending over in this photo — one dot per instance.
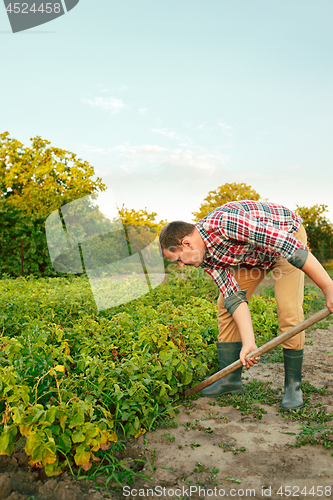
[237, 245]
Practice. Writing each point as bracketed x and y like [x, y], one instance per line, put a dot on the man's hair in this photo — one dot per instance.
[172, 234]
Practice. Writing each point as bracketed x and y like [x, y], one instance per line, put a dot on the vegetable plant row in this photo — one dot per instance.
[72, 379]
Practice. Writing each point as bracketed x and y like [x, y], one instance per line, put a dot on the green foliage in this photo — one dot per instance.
[140, 233]
[319, 230]
[39, 179]
[34, 181]
[264, 318]
[200, 467]
[131, 217]
[73, 380]
[329, 268]
[16, 227]
[314, 300]
[315, 434]
[42, 407]
[71, 376]
[224, 194]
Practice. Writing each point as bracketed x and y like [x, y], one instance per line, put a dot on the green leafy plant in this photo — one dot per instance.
[73, 380]
[230, 447]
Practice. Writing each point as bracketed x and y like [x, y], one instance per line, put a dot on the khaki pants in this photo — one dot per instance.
[289, 294]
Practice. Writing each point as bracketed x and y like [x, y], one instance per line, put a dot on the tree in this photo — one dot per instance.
[141, 227]
[19, 231]
[141, 232]
[224, 194]
[39, 178]
[319, 230]
[131, 217]
[35, 181]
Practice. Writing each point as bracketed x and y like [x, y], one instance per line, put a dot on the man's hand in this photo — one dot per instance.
[246, 349]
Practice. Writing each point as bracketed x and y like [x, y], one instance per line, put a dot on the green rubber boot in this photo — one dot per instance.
[228, 352]
[293, 396]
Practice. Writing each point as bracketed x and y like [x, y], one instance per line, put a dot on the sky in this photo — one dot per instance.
[171, 99]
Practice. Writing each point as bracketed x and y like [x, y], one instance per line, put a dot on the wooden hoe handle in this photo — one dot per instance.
[261, 350]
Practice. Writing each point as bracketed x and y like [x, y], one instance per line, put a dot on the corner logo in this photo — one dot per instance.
[31, 13]
[122, 262]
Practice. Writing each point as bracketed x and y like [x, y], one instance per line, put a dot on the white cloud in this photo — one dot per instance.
[122, 87]
[176, 160]
[288, 167]
[104, 151]
[113, 89]
[92, 149]
[190, 126]
[189, 159]
[146, 149]
[143, 111]
[174, 181]
[226, 128]
[108, 103]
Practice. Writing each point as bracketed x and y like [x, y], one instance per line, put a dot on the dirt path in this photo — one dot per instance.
[213, 448]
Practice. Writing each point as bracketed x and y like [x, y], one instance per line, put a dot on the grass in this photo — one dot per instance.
[115, 471]
[248, 403]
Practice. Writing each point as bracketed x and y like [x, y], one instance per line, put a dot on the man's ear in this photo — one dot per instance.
[186, 242]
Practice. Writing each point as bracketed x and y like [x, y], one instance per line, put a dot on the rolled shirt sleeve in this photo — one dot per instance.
[299, 258]
[233, 301]
[229, 288]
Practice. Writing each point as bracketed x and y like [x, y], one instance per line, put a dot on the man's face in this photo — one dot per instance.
[190, 253]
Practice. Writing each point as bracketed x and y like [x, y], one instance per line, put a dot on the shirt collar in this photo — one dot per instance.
[207, 237]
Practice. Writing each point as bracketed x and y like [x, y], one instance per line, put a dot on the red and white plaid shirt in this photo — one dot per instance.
[246, 232]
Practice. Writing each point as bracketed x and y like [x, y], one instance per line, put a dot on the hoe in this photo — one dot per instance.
[261, 350]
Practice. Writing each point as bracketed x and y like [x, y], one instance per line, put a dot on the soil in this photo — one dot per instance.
[265, 469]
